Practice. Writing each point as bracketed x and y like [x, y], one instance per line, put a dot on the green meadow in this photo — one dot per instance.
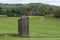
[41, 28]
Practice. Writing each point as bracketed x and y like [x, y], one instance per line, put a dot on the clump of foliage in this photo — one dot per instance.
[57, 13]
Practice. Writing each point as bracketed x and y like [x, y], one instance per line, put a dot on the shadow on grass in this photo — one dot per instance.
[9, 34]
[12, 35]
[16, 35]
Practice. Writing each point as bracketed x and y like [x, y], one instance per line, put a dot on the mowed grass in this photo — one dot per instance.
[41, 28]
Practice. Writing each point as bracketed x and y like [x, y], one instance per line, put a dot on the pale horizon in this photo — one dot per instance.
[51, 2]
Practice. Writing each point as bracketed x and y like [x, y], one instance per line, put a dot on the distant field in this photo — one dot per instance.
[40, 28]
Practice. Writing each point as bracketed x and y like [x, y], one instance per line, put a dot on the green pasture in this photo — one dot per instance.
[41, 28]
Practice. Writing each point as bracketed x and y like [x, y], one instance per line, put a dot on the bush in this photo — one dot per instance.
[57, 13]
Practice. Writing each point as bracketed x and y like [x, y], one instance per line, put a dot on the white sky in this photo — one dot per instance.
[52, 2]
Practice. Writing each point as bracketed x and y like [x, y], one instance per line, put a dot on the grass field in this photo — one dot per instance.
[40, 28]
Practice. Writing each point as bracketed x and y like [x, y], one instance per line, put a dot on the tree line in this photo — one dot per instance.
[32, 9]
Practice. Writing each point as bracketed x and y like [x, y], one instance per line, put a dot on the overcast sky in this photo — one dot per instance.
[52, 2]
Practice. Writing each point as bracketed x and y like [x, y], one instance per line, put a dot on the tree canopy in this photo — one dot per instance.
[35, 9]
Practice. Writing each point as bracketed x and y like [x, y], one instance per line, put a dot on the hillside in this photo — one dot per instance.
[36, 9]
